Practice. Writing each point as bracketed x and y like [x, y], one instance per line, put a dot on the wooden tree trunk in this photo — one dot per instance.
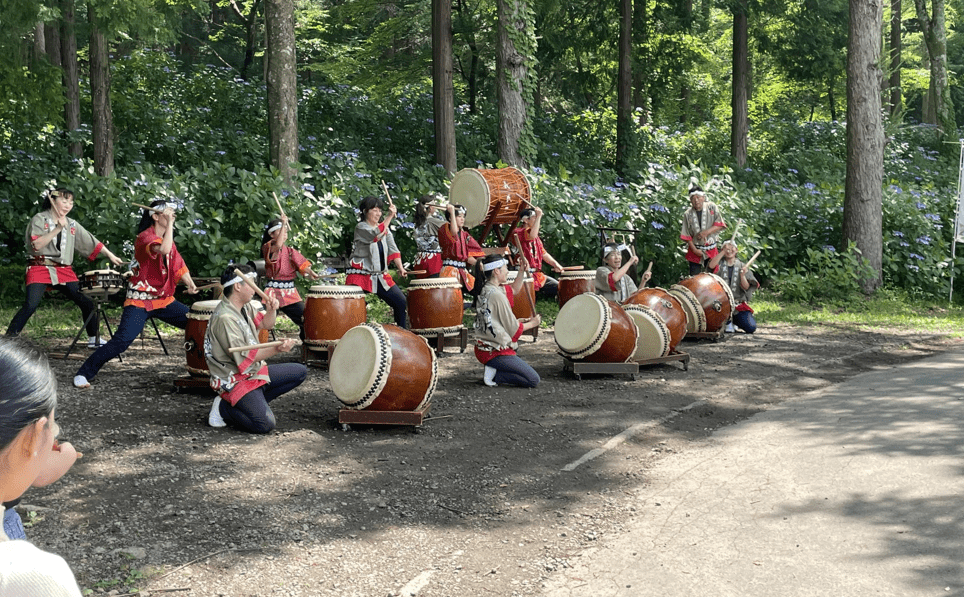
[39, 43]
[935, 39]
[282, 85]
[52, 43]
[102, 118]
[443, 95]
[896, 103]
[862, 225]
[68, 47]
[740, 124]
[640, 37]
[250, 37]
[624, 102]
[511, 79]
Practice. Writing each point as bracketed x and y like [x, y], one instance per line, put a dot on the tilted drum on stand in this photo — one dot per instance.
[654, 336]
[493, 196]
[595, 329]
[667, 306]
[715, 299]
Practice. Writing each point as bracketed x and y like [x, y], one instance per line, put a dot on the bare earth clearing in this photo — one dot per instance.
[476, 503]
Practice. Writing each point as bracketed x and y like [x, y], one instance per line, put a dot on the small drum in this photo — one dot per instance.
[654, 336]
[598, 330]
[197, 325]
[330, 311]
[435, 305]
[714, 296]
[667, 306]
[522, 308]
[102, 282]
[383, 367]
[492, 196]
[695, 317]
[575, 283]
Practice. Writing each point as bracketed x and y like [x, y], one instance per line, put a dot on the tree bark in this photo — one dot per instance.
[624, 101]
[282, 86]
[39, 45]
[896, 103]
[101, 116]
[640, 38]
[512, 76]
[68, 47]
[740, 124]
[443, 94]
[935, 40]
[52, 43]
[862, 225]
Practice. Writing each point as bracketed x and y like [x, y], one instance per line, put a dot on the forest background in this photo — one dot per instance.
[187, 95]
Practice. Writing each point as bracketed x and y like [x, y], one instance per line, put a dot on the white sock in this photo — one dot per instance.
[81, 382]
[214, 417]
[488, 376]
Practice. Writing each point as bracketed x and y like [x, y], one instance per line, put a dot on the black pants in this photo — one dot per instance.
[35, 292]
[252, 413]
[296, 313]
[396, 300]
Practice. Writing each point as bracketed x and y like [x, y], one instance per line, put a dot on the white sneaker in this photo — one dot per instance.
[488, 376]
[81, 382]
[92, 342]
[730, 329]
[214, 417]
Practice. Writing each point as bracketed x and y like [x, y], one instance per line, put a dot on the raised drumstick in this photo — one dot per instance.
[248, 281]
[260, 346]
[736, 230]
[649, 269]
[387, 195]
[281, 209]
[156, 210]
[752, 259]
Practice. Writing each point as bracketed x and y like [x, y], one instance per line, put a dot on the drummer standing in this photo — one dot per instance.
[51, 240]
[612, 280]
[427, 225]
[526, 237]
[373, 250]
[157, 270]
[244, 382]
[282, 264]
[702, 224]
[459, 249]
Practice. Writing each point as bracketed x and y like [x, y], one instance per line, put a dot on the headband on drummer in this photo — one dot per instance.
[162, 204]
[610, 248]
[493, 265]
[696, 190]
[236, 279]
[275, 227]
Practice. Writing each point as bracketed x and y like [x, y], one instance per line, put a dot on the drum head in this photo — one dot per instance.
[695, 316]
[336, 292]
[654, 336]
[578, 275]
[582, 325]
[427, 283]
[202, 309]
[360, 365]
[470, 189]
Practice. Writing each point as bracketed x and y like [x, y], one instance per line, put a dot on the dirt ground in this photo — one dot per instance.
[489, 497]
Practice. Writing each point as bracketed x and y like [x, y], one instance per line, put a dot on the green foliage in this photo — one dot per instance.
[825, 277]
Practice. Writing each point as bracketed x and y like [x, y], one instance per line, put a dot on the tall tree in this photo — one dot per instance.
[740, 123]
[514, 52]
[282, 85]
[443, 95]
[68, 56]
[640, 52]
[939, 109]
[895, 57]
[863, 208]
[624, 101]
[102, 118]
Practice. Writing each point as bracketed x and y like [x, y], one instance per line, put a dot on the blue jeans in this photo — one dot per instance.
[252, 413]
[130, 327]
[745, 321]
[12, 525]
[510, 369]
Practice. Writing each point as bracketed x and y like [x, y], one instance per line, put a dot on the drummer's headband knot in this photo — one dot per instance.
[275, 227]
[237, 279]
[488, 267]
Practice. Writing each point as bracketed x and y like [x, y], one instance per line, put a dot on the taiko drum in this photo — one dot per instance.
[197, 325]
[435, 305]
[667, 306]
[714, 296]
[521, 307]
[383, 368]
[595, 329]
[654, 336]
[491, 196]
[330, 311]
[575, 283]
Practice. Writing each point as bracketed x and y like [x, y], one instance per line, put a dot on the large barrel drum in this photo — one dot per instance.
[667, 306]
[330, 311]
[521, 307]
[197, 325]
[595, 329]
[714, 296]
[654, 336]
[575, 283]
[435, 305]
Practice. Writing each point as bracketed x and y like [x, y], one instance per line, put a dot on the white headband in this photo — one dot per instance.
[488, 267]
[165, 206]
[697, 192]
[275, 227]
[608, 250]
[237, 279]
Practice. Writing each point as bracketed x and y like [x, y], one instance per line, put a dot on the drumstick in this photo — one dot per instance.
[416, 272]
[570, 268]
[736, 230]
[752, 259]
[156, 210]
[281, 209]
[260, 346]
[385, 188]
[248, 281]
[211, 285]
[649, 269]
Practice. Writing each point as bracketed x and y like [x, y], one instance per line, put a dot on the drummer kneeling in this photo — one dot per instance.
[244, 383]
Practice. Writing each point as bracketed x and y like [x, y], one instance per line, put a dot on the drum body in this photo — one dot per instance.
[714, 296]
[522, 308]
[495, 195]
[435, 305]
[667, 306]
[197, 325]
[595, 329]
[654, 336]
[104, 282]
[575, 283]
[384, 368]
[330, 311]
[695, 317]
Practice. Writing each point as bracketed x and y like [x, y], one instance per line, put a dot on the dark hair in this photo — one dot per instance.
[450, 214]
[367, 204]
[527, 213]
[482, 276]
[53, 194]
[421, 212]
[266, 237]
[147, 217]
[696, 187]
[29, 389]
[229, 273]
